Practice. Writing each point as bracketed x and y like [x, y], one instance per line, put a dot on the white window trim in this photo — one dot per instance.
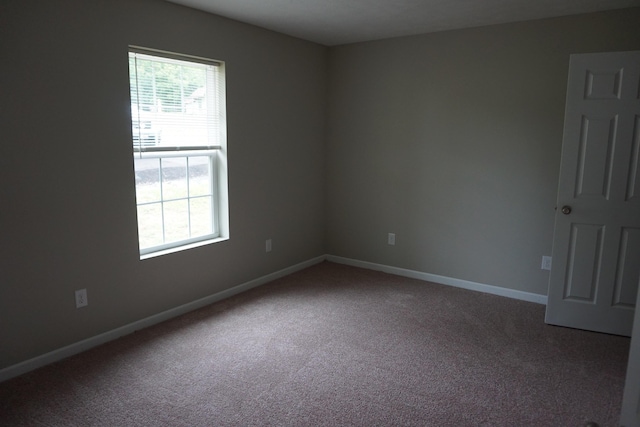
[218, 164]
[213, 167]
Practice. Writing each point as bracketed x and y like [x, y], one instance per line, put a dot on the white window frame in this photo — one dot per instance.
[217, 165]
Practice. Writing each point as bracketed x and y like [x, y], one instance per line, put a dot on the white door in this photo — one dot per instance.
[596, 250]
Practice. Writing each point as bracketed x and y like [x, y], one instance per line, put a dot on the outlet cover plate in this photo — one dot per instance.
[81, 298]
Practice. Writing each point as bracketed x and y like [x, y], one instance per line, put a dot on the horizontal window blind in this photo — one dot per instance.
[175, 104]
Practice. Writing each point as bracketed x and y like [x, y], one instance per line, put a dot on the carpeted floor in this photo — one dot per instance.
[336, 345]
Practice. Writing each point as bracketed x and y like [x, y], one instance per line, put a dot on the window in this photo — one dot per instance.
[179, 149]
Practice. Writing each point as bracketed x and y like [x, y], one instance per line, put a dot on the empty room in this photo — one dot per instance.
[243, 212]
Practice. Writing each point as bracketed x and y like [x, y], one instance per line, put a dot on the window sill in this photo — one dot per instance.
[182, 248]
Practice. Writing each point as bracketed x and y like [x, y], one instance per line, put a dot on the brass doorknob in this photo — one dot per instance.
[566, 210]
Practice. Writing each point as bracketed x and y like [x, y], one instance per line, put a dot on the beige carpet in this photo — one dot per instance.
[336, 345]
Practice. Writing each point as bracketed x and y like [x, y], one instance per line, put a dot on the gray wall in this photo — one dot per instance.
[452, 141]
[67, 200]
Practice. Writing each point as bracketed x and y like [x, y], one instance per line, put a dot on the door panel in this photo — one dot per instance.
[596, 251]
[597, 142]
[585, 259]
[628, 273]
[603, 84]
[634, 175]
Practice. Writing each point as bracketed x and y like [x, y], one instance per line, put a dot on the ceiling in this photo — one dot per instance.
[335, 22]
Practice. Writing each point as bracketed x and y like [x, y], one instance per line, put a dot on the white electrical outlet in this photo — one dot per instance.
[81, 298]
[267, 245]
[546, 263]
[391, 239]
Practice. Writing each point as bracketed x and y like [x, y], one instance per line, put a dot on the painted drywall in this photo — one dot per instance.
[67, 200]
[452, 141]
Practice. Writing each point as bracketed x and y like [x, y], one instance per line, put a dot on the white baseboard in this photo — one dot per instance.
[80, 346]
[443, 280]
